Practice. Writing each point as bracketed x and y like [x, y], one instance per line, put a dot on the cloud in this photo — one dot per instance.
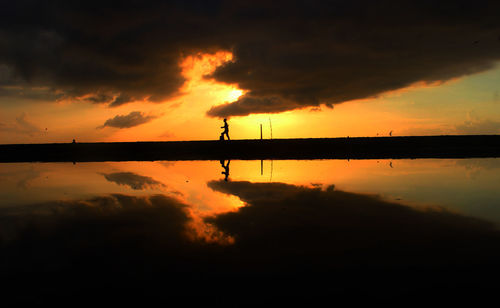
[21, 126]
[9, 93]
[248, 104]
[287, 55]
[333, 53]
[100, 98]
[133, 180]
[479, 127]
[132, 119]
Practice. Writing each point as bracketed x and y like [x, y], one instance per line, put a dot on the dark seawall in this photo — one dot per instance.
[316, 148]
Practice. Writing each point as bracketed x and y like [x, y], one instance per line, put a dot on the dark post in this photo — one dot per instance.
[260, 131]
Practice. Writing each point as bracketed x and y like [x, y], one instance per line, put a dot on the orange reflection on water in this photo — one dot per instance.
[467, 186]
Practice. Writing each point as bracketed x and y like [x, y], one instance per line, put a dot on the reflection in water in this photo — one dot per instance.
[134, 181]
[314, 225]
[238, 239]
[226, 168]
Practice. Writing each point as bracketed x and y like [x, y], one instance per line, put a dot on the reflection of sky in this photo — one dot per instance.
[468, 186]
[412, 227]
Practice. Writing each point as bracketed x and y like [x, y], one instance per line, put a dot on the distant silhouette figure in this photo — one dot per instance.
[74, 141]
[226, 130]
[226, 168]
[390, 133]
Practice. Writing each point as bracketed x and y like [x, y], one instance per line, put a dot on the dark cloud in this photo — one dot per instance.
[133, 180]
[100, 98]
[287, 55]
[331, 53]
[132, 119]
[249, 104]
[10, 94]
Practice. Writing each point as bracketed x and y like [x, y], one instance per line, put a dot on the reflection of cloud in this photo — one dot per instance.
[29, 176]
[329, 228]
[288, 239]
[23, 176]
[132, 119]
[95, 233]
[104, 207]
[479, 163]
[474, 167]
[133, 180]
[112, 242]
[167, 163]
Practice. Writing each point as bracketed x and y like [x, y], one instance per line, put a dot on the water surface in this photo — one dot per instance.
[372, 224]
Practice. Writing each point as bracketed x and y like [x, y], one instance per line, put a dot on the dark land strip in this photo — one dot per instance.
[454, 146]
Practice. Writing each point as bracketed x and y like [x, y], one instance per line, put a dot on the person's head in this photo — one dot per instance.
[225, 119]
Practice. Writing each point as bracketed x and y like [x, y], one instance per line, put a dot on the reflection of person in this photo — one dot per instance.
[226, 168]
[226, 130]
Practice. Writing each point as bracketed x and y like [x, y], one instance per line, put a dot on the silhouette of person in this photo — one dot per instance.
[226, 168]
[226, 130]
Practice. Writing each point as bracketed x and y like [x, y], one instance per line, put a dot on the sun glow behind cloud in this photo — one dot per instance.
[408, 111]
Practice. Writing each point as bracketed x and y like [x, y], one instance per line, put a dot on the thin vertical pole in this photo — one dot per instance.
[261, 167]
[272, 167]
[260, 131]
[271, 127]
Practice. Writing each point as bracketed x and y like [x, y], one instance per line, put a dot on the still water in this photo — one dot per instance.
[386, 228]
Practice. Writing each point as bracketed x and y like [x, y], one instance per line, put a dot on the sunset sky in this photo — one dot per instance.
[147, 70]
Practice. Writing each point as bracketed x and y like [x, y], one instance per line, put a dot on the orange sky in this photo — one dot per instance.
[467, 105]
